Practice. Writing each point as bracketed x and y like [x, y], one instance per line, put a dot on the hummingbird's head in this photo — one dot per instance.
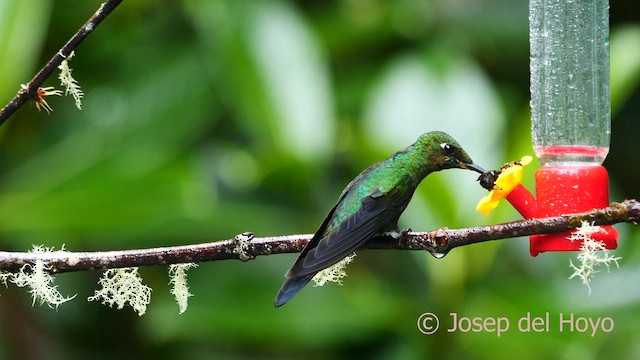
[445, 153]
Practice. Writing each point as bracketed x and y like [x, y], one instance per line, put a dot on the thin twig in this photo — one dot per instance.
[28, 91]
[245, 246]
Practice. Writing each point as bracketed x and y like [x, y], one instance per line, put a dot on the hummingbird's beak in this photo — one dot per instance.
[472, 167]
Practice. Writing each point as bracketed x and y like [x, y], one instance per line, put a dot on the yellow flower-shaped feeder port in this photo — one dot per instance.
[501, 183]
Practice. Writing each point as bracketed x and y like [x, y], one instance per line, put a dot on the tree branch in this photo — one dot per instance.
[28, 91]
[246, 247]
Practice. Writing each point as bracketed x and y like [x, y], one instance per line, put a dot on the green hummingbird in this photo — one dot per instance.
[371, 204]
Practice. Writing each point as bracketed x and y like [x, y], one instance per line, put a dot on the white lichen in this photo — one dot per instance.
[242, 245]
[122, 286]
[70, 84]
[593, 253]
[36, 276]
[5, 277]
[178, 278]
[334, 273]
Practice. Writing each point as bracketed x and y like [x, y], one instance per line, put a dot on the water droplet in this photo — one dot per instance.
[439, 255]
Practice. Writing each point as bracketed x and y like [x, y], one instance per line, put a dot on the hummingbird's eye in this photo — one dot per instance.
[447, 148]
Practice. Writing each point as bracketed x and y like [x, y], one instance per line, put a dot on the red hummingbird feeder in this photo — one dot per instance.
[571, 116]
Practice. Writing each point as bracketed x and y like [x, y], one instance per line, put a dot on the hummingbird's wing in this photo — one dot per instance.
[378, 210]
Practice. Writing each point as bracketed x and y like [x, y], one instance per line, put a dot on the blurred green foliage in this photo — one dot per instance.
[205, 119]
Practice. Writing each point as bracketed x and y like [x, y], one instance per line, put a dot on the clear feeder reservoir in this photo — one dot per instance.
[570, 106]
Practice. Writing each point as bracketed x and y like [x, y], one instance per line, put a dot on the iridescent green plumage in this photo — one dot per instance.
[371, 204]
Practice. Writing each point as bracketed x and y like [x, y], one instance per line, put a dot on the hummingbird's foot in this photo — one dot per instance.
[395, 234]
[404, 234]
[398, 234]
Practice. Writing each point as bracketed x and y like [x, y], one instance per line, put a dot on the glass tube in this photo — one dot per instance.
[570, 106]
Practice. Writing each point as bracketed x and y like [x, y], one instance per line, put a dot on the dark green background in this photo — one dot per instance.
[204, 119]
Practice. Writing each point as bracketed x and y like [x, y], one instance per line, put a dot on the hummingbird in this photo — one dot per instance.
[371, 204]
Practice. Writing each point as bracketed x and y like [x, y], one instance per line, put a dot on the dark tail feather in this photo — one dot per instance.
[291, 288]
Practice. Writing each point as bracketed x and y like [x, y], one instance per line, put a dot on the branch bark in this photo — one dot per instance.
[29, 90]
[246, 247]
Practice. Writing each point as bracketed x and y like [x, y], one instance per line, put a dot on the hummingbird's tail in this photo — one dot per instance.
[291, 287]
